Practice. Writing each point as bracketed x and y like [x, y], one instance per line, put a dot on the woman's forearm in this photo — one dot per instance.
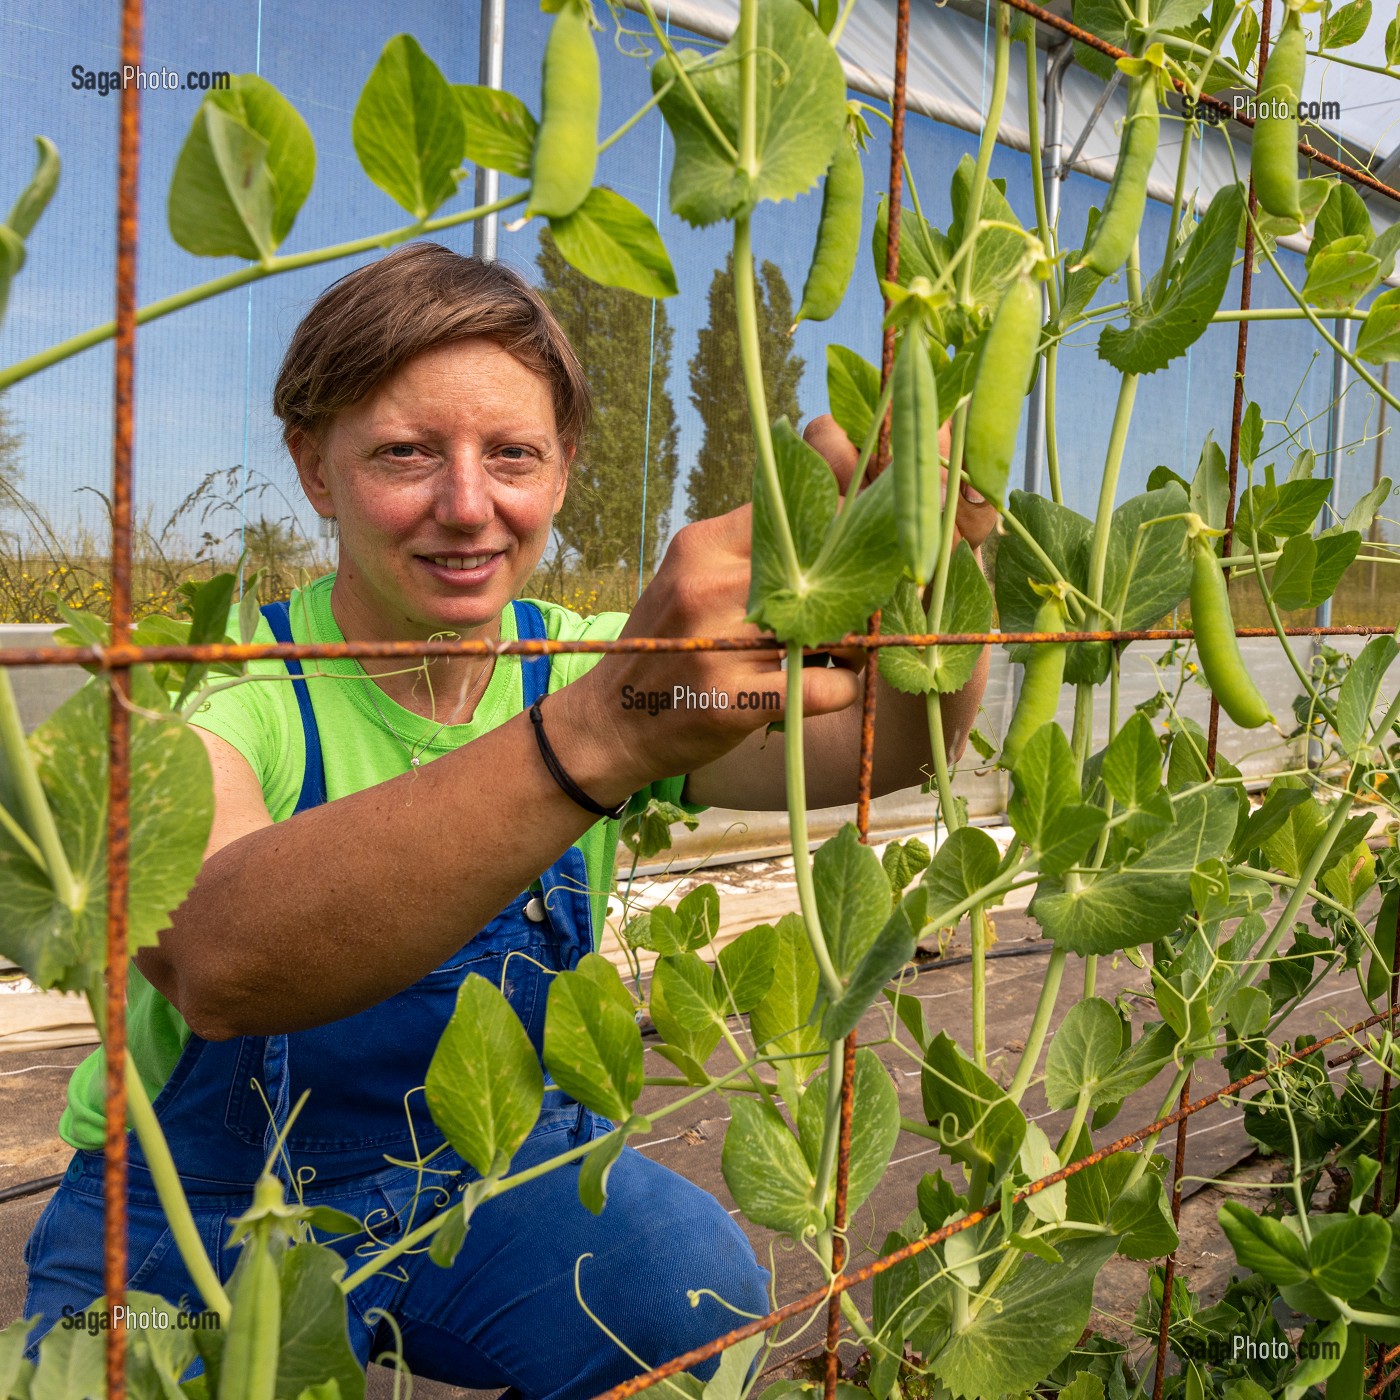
[315, 918]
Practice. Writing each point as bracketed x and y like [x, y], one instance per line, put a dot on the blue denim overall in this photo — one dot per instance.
[505, 1315]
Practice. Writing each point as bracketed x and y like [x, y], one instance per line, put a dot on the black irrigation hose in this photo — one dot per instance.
[29, 1188]
[930, 963]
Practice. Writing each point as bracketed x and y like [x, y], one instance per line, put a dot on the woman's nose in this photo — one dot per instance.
[464, 494]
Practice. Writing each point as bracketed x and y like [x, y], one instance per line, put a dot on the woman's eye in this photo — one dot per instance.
[402, 449]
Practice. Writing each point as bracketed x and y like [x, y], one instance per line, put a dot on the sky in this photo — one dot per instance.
[204, 375]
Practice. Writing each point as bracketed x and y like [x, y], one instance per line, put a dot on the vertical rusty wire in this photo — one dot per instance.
[839, 1251]
[119, 734]
[1212, 738]
[1383, 1357]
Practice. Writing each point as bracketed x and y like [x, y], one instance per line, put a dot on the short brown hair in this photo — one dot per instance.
[374, 320]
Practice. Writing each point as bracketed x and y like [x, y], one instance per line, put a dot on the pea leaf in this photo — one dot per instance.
[1245, 39]
[902, 860]
[1345, 25]
[1180, 305]
[852, 390]
[853, 896]
[315, 1341]
[963, 864]
[71, 1366]
[1046, 810]
[1310, 569]
[800, 115]
[613, 243]
[745, 969]
[1142, 1218]
[1356, 701]
[999, 250]
[923, 250]
[683, 1000]
[34, 198]
[766, 1172]
[847, 570]
[171, 814]
[1340, 277]
[593, 1045]
[484, 1085]
[597, 1166]
[222, 198]
[781, 1022]
[971, 1114]
[1280, 511]
[1266, 1246]
[408, 128]
[1379, 340]
[1347, 1253]
[893, 947]
[1036, 1314]
[874, 1126]
[968, 608]
[1082, 1053]
[648, 832]
[1148, 570]
[500, 129]
[1392, 42]
[1145, 897]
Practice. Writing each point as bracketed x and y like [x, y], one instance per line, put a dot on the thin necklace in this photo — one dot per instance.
[415, 754]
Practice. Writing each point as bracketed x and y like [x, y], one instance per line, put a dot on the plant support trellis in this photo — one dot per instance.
[119, 655]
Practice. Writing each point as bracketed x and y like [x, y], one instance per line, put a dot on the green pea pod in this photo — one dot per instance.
[1040, 685]
[1274, 159]
[998, 392]
[248, 1369]
[1217, 647]
[838, 235]
[565, 153]
[1112, 239]
[914, 453]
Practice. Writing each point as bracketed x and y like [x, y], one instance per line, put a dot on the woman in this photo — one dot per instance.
[368, 825]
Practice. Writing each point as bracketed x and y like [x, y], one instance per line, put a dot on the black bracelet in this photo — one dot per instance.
[556, 771]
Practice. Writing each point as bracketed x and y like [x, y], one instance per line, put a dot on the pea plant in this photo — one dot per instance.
[1136, 839]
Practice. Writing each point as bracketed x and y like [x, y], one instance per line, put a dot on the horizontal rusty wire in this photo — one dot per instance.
[1225, 109]
[818, 1296]
[110, 657]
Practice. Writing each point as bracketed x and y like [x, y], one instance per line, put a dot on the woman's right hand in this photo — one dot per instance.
[700, 590]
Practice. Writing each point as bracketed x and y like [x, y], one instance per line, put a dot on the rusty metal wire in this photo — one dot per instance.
[114, 1177]
[112, 657]
[119, 656]
[698, 1355]
[866, 765]
[1224, 109]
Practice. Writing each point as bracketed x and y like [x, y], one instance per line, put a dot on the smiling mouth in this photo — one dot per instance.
[461, 562]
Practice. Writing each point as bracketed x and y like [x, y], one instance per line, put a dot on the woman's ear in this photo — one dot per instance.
[306, 453]
[568, 456]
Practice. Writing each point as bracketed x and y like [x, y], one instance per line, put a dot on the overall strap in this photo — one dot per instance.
[534, 670]
[565, 885]
[313, 782]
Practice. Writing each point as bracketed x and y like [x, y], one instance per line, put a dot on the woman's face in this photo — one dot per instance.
[444, 481]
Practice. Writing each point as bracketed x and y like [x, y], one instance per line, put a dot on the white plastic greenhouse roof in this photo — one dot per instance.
[949, 76]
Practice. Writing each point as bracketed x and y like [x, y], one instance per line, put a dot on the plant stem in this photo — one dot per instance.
[172, 1195]
[24, 774]
[253, 272]
[826, 1163]
[1040, 1024]
[979, 932]
[990, 126]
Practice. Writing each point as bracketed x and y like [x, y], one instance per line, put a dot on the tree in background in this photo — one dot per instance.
[611, 331]
[723, 475]
[10, 443]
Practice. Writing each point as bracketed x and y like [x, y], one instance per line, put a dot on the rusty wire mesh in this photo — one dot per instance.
[119, 656]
